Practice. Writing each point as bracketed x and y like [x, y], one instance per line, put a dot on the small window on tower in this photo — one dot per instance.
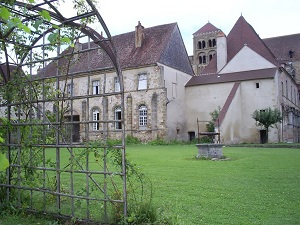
[257, 85]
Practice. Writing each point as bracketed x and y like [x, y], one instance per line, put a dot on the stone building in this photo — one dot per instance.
[155, 68]
[238, 73]
[246, 74]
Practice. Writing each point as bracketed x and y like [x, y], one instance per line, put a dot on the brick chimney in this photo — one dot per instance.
[139, 35]
[221, 51]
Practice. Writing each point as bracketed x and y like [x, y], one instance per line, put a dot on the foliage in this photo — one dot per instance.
[210, 127]
[267, 117]
[132, 140]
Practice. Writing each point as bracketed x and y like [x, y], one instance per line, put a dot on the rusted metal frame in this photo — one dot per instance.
[59, 57]
[119, 73]
[61, 194]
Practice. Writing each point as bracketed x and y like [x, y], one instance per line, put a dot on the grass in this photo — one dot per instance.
[256, 186]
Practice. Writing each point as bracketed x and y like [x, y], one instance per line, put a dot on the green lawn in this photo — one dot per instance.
[256, 186]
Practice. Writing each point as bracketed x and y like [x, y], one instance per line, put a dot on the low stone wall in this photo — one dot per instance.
[210, 150]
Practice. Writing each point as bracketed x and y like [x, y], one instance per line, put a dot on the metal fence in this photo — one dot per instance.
[56, 121]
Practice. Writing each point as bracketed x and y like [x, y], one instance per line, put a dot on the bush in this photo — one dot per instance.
[132, 140]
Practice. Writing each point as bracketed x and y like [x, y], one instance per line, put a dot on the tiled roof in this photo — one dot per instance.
[282, 45]
[231, 77]
[157, 47]
[207, 28]
[243, 34]
[240, 35]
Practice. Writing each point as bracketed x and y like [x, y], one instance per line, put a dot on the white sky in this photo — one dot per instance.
[269, 18]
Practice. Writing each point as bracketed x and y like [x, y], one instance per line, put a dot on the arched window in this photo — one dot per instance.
[203, 44]
[96, 117]
[199, 45]
[202, 58]
[211, 55]
[214, 42]
[143, 116]
[118, 116]
[209, 43]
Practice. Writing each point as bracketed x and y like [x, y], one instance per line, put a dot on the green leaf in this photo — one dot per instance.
[26, 29]
[45, 14]
[55, 26]
[37, 23]
[4, 13]
[52, 37]
[65, 40]
[3, 162]
[31, 1]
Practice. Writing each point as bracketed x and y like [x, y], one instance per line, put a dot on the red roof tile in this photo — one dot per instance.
[207, 28]
[231, 77]
[228, 101]
[243, 34]
[282, 45]
[156, 48]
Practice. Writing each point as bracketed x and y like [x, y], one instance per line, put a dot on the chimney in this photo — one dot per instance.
[139, 35]
[221, 51]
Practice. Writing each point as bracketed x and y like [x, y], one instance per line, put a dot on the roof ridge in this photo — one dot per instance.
[243, 33]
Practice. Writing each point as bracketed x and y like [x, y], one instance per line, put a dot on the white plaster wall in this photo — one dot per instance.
[202, 100]
[246, 59]
[238, 125]
[174, 82]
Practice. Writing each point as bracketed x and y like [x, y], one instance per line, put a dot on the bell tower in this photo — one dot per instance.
[205, 46]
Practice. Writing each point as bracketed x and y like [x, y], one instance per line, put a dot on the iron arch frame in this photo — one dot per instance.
[62, 145]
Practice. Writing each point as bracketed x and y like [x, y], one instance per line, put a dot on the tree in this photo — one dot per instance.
[266, 118]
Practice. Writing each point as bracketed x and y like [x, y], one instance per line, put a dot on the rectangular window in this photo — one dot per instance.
[70, 89]
[142, 82]
[96, 118]
[143, 116]
[257, 85]
[96, 87]
[117, 84]
[118, 116]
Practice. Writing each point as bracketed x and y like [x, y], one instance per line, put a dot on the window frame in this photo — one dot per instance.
[118, 116]
[96, 88]
[95, 117]
[117, 84]
[143, 116]
[142, 81]
[70, 89]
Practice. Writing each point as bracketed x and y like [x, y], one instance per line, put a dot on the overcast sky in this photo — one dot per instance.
[269, 18]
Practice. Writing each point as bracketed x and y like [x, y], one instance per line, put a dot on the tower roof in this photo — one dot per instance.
[206, 29]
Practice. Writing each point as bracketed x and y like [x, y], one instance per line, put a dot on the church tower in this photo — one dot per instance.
[205, 46]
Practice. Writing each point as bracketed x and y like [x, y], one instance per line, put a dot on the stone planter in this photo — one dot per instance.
[210, 150]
